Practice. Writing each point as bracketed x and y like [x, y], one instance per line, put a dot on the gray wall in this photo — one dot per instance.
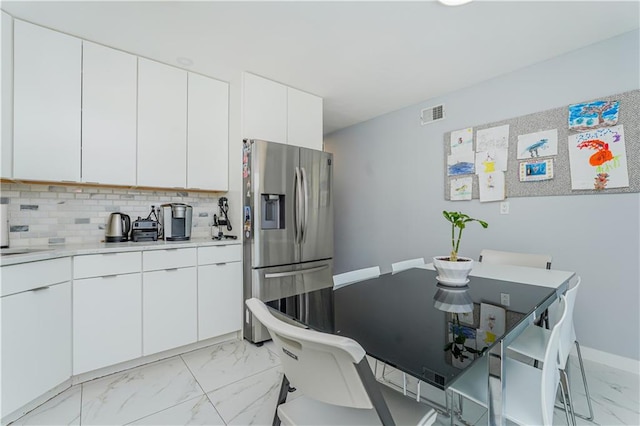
[389, 191]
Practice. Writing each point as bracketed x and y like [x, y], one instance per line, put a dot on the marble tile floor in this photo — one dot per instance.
[237, 383]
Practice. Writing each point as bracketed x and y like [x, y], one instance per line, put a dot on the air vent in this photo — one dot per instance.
[429, 115]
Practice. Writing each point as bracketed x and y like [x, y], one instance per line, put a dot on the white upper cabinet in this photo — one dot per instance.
[6, 167]
[207, 134]
[278, 113]
[47, 100]
[264, 109]
[162, 125]
[304, 119]
[109, 95]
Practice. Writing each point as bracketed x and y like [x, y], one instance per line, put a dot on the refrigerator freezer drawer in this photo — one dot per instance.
[302, 291]
[280, 282]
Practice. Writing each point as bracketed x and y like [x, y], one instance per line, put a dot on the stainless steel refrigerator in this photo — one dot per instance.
[287, 233]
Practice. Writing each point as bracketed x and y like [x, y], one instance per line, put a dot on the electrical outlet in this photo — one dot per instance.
[505, 299]
[504, 207]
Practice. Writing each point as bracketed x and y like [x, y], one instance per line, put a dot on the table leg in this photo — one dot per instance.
[496, 385]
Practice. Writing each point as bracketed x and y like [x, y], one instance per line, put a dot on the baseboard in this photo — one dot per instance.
[629, 365]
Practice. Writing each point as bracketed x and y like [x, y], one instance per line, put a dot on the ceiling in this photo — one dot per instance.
[364, 58]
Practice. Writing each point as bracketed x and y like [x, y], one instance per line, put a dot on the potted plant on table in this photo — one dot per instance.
[454, 269]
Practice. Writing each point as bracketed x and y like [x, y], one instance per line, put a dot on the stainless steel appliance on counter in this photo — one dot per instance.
[117, 228]
[175, 220]
[287, 233]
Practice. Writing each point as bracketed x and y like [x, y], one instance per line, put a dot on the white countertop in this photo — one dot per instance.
[52, 252]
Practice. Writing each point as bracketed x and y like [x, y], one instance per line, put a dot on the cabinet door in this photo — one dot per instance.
[304, 119]
[208, 133]
[47, 84]
[6, 155]
[107, 321]
[36, 344]
[264, 109]
[109, 91]
[162, 125]
[219, 299]
[169, 309]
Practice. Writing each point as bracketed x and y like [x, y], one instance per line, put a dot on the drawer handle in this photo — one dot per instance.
[40, 288]
[221, 264]
[110, 276]
[171, 249]
[171, 269]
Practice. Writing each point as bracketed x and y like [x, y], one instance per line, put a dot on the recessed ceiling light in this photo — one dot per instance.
[184, 61]
[454, 2]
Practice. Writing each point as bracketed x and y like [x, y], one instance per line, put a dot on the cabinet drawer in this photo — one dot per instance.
[155, 260]
[219, 254]
[30, 275]
[97, 265]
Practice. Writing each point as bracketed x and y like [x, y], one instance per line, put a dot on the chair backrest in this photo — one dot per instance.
[406, 264]
[567, 335]
[351, 277]
[321, 365]
[515, 259]
[550, 372]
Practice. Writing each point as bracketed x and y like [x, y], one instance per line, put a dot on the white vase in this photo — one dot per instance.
[453, 273]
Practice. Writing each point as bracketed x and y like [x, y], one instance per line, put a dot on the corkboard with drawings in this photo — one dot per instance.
[557, 118]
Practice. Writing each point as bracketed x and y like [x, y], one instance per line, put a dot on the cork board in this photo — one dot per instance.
[557, 118]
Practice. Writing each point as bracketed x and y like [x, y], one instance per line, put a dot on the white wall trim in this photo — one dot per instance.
[611, 360]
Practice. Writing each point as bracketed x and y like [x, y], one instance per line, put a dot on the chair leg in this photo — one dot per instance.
[584, 380]
[564, 401]
[564, 381]
[282, 398]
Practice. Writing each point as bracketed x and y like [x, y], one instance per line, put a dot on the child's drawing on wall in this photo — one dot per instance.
[595, 153]
[593, 115]
[538, 144]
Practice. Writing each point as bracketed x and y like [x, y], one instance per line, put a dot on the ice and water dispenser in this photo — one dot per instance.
[272, 211]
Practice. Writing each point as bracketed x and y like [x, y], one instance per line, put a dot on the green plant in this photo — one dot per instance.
[459, 220]
[457, 347]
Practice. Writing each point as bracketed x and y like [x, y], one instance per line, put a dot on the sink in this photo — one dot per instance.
[13, 251]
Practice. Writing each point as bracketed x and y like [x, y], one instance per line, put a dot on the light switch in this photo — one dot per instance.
[504, 207]
[505, 299]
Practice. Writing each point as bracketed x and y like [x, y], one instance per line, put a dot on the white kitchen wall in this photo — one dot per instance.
[389, 197]
[55, 214]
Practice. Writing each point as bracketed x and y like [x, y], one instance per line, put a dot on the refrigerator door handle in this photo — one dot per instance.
[297, 206]
[294, 273]
[305, 216]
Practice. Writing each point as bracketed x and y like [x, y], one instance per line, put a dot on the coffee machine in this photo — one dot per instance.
[175, 219]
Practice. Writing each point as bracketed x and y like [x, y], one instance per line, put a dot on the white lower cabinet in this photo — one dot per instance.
[169, 309]
[123, 305]
[107, 321]
[219, 299]
[36, 343]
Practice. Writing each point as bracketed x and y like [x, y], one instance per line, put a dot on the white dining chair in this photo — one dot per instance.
[333, 375]
[358, 275]
[530, 392]
[531, 260]
[533, 341]
[406, 264]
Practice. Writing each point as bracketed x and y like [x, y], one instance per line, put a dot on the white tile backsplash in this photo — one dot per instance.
[57, 214]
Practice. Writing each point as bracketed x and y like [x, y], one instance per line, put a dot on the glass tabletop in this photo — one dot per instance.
[395, 319]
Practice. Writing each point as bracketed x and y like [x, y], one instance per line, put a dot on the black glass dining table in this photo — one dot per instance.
[398, 319]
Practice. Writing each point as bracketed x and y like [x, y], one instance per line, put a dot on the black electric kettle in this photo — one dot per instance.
[117, 228]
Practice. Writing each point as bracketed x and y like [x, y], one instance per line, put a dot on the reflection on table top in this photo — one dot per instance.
[394, 318]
